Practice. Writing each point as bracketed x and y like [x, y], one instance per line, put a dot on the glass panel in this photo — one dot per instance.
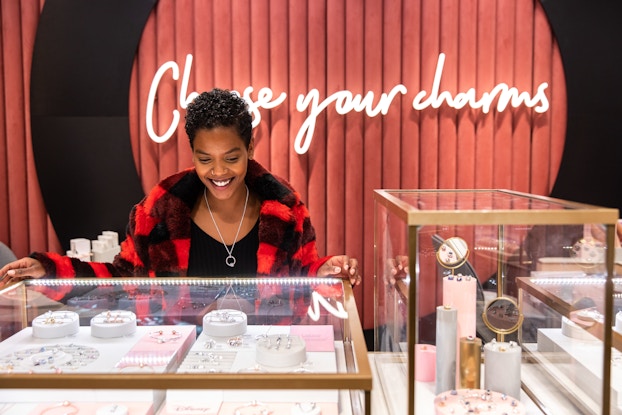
[486, 329]
[235, 314]
[12, 312]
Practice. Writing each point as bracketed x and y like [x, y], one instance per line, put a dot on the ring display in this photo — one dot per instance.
[225, 323]
[278, 350]
[111, 324]
[55, 324]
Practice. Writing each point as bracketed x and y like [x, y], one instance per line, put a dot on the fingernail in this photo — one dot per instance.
[336, 270]
[11, 273]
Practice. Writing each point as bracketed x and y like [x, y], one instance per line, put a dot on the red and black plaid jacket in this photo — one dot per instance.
[158, 234]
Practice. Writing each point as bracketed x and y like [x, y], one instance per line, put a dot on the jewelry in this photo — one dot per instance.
[230, 260]
[235, 341]
[161, 337]
[477, 401]
[112, 324]
[224, 323]
[65, 405]
[55, 324]
[226, 316]
[281, 350]
[48, 358]
[253, 408]
[207, 362]
[306, 408]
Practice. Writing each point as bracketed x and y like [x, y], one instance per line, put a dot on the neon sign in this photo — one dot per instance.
[317, 300]
[345, 101]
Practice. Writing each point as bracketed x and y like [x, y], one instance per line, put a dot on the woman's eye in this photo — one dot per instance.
[204, 161]
[233, 159]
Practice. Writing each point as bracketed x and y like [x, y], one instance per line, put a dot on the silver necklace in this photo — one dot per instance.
[230, 260]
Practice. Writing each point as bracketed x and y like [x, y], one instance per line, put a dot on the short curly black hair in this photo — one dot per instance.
[219, 108]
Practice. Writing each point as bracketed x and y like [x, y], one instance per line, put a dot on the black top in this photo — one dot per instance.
[208, 255]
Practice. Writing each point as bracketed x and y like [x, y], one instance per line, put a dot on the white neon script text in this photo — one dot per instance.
[314, 308]
[539, 102]
[264, 99]
[345, 101]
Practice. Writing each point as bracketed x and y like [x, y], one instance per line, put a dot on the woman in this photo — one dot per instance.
[226, 216]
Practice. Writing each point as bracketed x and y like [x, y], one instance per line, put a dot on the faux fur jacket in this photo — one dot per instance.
[158, 234]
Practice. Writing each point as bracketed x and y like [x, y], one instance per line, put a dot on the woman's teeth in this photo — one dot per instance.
[221, 183]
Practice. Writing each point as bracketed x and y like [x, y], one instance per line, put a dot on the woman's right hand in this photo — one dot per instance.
[20, 270]
[397, 269]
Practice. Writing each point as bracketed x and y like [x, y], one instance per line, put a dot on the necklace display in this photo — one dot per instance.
[230, 260]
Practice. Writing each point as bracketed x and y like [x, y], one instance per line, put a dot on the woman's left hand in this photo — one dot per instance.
[341, 266]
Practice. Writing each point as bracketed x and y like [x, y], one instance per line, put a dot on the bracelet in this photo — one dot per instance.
[253, 408]
[161, 337]
[65, 405]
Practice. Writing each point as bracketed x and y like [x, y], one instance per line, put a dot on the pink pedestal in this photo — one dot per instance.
[425, 362]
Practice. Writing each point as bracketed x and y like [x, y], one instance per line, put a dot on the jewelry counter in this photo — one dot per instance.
[453, 332]
[182, 346]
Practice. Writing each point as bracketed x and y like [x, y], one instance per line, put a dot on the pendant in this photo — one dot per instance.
[230, 261]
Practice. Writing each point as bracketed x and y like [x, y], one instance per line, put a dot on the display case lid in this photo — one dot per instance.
[488, 207]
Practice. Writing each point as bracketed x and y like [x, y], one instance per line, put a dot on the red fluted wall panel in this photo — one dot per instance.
[293, 47]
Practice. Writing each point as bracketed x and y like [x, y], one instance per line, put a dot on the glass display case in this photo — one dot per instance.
[182, 346]
[473, 290]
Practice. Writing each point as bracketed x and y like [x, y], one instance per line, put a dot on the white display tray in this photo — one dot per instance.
[242, 358]
[110, 353]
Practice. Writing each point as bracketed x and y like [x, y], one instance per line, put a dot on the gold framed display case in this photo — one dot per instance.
[182, 346]
[451, 328]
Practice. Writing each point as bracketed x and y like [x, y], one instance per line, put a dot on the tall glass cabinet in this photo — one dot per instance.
[495, 301]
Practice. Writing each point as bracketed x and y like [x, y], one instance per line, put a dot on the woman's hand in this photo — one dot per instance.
[341, 266]
[397, 269]
[20, 270]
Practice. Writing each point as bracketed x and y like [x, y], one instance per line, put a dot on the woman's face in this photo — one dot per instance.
[221, 159]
